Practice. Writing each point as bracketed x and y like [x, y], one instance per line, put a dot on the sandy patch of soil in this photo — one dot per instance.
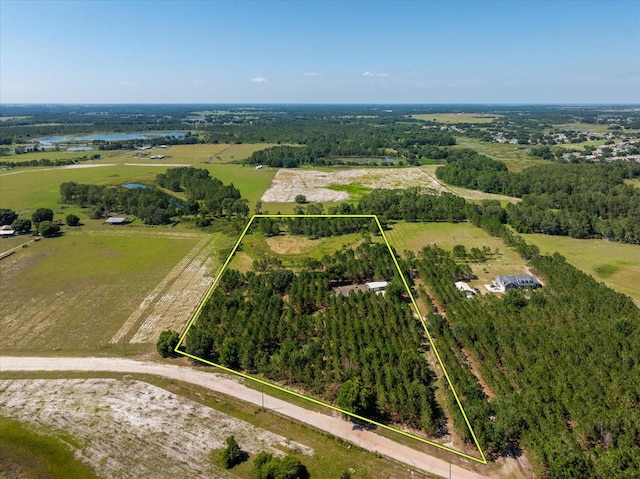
[287, 184]
[290, 244]
[131, 429]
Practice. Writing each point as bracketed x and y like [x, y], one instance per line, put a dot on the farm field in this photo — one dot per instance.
[77, 290]
[456, 117]
[180, 154]
[616, 264]
[415, 236]
[31, 188]
[515, 157]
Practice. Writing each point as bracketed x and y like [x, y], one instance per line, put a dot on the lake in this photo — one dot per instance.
[107, 137]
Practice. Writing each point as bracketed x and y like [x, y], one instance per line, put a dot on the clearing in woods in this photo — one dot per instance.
[481, 459]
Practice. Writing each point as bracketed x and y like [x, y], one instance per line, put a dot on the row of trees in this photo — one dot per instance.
[362, 352]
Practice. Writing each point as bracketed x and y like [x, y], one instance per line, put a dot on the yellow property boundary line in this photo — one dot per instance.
[481, 460]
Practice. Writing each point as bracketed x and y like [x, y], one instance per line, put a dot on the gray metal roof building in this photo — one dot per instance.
[517, 281]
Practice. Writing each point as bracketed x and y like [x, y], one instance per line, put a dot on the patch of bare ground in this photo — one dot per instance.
[173, 301]
[287, 184]
[131, 429]
[290, 244]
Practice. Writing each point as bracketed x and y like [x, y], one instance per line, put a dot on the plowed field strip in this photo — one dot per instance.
[173, 300]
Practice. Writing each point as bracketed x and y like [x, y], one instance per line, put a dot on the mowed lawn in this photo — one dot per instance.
[31, 188]
[415, 236]
[75, 291]
[616, 264]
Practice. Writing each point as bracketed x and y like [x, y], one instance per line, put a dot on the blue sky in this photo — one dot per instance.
[319, 52]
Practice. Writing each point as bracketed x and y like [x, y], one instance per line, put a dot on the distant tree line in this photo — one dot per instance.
[48, 162]
[578, 200]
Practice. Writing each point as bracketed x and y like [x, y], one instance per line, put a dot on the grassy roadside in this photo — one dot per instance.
[25, 453]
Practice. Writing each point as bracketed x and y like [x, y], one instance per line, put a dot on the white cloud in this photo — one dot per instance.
[129, 83]
[372, 74]
[258, 80]
[312, 74]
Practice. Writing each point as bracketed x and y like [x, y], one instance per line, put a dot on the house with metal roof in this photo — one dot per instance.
[517, 281]
[377, 286]
[116, 220]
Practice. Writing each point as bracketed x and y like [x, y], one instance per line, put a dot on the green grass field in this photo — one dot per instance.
[616, 264]
[75, 291]
[27, 454]
[456, 117]
[415, 236]
[31, 188]
[514, 156]
[176, 154]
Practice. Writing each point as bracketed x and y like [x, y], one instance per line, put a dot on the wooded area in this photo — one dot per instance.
[363, 352]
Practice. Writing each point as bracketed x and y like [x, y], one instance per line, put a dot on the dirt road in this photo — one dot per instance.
[333, 425]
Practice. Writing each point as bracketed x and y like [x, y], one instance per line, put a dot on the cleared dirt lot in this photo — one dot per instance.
[314, 184]
[131, 429]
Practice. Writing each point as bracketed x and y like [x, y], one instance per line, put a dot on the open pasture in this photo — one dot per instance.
[175, 154]
[74, 292]
[452, 118]
[515, 157]
[415, 236]
[616, 264]
[31, 188]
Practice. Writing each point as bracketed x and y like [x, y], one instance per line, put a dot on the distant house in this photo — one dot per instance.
[6, 230]
[116, 220]
[377, 286]
[517, 281]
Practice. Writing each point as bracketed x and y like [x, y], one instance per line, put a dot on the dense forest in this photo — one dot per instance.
[578, 200]
[561, 360]
[363, 352]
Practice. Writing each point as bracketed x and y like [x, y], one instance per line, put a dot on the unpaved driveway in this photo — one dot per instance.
[333, 425]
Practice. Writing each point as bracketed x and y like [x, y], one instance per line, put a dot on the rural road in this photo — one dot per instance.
[333, 425]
